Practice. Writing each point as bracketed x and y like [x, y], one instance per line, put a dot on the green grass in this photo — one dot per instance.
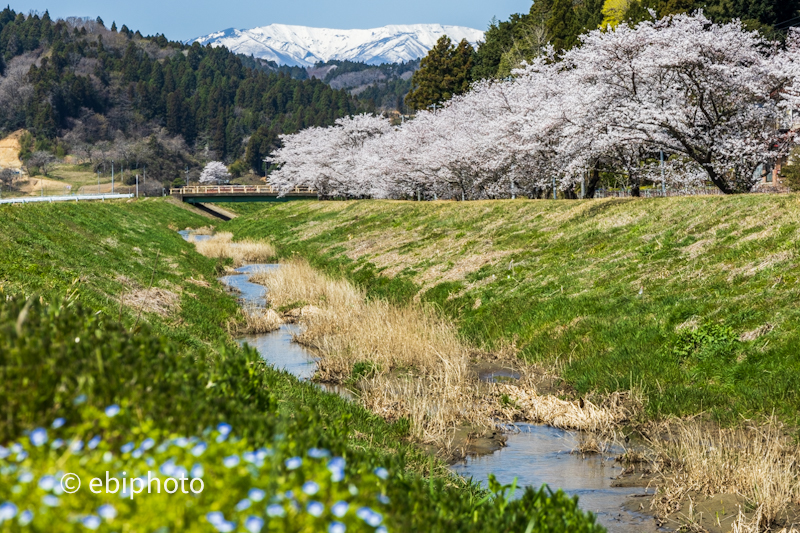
[599, 289]
[68, 350]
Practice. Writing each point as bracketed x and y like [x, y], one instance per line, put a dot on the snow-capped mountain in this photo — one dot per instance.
[304, 46]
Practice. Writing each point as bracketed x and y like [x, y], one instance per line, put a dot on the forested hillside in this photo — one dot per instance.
[106, 94]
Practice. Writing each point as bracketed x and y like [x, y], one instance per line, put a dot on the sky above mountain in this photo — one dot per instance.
[186, 19]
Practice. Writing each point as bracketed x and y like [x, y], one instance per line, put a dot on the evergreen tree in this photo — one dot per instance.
[443, 73]
[563, 25]
[114, 26]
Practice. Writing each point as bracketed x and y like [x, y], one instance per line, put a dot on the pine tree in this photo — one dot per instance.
[443, 73]
[114, 26]
[563, 25]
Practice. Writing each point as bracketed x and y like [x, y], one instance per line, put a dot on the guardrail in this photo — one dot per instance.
[71, 198]
[238, 189]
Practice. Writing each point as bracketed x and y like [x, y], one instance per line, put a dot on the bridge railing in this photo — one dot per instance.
[236, 189]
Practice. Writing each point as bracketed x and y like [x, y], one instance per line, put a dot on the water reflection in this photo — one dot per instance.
[541, 454]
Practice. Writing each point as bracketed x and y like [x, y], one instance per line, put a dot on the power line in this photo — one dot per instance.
[777, 24]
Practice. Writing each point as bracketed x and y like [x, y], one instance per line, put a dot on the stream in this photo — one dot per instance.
[534, 454]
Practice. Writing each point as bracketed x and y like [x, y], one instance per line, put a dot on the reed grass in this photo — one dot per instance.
[409, 362]
[757, 461]
[221, 246]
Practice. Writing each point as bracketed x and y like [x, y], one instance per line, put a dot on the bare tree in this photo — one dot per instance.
[44, 161]
[7, 177]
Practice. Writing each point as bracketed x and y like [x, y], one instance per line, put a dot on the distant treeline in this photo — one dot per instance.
[74, 79]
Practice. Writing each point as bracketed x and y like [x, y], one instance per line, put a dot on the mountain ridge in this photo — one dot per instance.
[305, 46]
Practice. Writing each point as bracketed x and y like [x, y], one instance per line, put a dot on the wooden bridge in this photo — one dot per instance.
[240, 193]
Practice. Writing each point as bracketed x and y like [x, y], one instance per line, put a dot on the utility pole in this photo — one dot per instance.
[583, 184]
[663, 181]
[187, 175]
[112, 176]
[554, 188]
[137, 185]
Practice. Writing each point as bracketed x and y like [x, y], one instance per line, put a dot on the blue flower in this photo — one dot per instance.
[339, 509]
[91, 521]
[150, 462]
[336, 468]
[199, 449]
[25, 477]
[137, 453]
[112, 410]
[315, 508]
[4, 452]
[249, 457]
[381, 472]
[224, 429]
[58, 422]
[231, 461]
[381, 529]
[337, 527]
[243, 505]
[94, 442]
[47, 483]
[318, 453]
[51, 501]
[215, 517]
[7, 511]
[383, 498]
[107, 511]
[181, 442]
[256, 495]
[38, 436]
[57, 443]
[21, 456]
[25, 518]
[310, 488]
[79, 399]
[127, 448]
[147, 444]
[369, 516]
[253, 524]
[168, 468]
[76, 446]
[197, 470]
[275, 510]
[263, 453]
[293, 463]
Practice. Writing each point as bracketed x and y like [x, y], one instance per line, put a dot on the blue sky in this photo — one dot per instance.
[184, 19]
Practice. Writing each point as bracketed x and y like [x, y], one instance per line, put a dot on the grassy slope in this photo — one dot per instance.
[77, 251]
[81, 249]
[601, 288]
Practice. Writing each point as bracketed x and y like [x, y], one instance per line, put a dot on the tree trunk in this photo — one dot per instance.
[592, 182]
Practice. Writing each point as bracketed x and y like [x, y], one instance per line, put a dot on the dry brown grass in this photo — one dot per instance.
[221, 245]
[758, 462]
[205, 230]
[161, 301]
[257, 320]
[419, 369]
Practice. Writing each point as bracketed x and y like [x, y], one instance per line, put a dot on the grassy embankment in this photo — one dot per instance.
[105, 305]
[693, 300]
[690, 302]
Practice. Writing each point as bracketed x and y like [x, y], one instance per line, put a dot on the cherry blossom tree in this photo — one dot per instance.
[706, 95]
[214, 172]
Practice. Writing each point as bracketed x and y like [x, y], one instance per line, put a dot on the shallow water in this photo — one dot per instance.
[541, 454]
[535, 455]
